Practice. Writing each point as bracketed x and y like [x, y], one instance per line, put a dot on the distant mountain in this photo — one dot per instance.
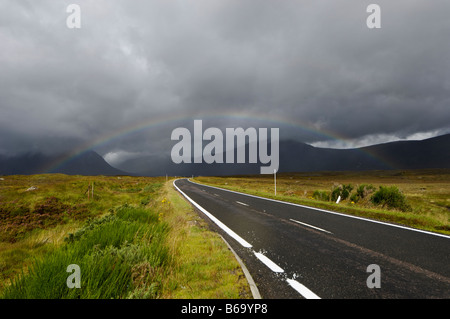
[301, 157]
[87, 163]
[294, 157]
[429, 153]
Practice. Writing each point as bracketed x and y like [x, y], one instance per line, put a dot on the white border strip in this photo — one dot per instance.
[248, 276]
[215, 220]
[269, 263]
[328, 211]
[305, 292]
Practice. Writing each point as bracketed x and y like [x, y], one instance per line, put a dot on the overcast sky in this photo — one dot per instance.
[314, 65]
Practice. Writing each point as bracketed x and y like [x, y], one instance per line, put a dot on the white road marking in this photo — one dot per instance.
[329, 212]
[242, 203]
[216, 195]
[308, 225]
[225, 228]
[305, 292]
[269, 263]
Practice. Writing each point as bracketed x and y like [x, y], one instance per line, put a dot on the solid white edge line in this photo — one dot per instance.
[305, 292]
[329, 211]
[225, 228]
[269, 263]
[248, 276]
[308, 225]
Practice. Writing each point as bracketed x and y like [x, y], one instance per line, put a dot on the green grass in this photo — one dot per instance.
[204, 266]
[425, 194]
[108, 250]
[135, 238]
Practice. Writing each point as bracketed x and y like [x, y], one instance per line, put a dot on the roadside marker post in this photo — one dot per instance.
[275, 180]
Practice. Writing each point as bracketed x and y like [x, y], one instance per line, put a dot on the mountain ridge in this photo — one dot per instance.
[294, 157]
[87, 163]
[301, 157]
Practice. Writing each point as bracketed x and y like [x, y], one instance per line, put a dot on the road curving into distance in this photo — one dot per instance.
[294, 251]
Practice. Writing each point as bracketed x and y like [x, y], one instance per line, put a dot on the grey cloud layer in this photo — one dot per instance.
[311, 61]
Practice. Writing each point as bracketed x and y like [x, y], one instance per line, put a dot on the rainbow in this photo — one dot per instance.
[171, 120]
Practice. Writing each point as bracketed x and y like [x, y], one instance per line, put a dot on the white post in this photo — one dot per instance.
[275, 180]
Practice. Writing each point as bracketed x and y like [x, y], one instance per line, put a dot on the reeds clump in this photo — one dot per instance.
[120, 255]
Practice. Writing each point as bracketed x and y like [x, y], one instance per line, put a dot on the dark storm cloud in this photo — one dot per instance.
[310, 62]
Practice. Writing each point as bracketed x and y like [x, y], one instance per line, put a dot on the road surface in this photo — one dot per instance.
[293, 251]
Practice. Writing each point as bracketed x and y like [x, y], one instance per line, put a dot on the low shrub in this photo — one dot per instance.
[321, 195]
[362, 192]
[390, 197]
[343, 191]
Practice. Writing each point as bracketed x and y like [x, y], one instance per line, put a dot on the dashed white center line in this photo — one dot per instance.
[304, 291]
[242, 203]
[308, 225]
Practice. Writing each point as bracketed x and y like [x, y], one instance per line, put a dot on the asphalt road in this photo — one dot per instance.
[292, 251]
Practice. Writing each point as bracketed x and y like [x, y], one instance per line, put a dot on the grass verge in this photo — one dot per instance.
[120, 255]
[204, 267]
[136, 238]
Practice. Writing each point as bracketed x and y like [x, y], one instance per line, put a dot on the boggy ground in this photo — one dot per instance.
[164, 249]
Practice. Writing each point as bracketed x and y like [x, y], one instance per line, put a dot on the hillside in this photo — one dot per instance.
[87, 163]
[294, 157]
[300, 157]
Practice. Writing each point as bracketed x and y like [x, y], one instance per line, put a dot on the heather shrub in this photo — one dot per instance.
[343, 191]
[390, 197]
[362, 192]
[321, 195]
